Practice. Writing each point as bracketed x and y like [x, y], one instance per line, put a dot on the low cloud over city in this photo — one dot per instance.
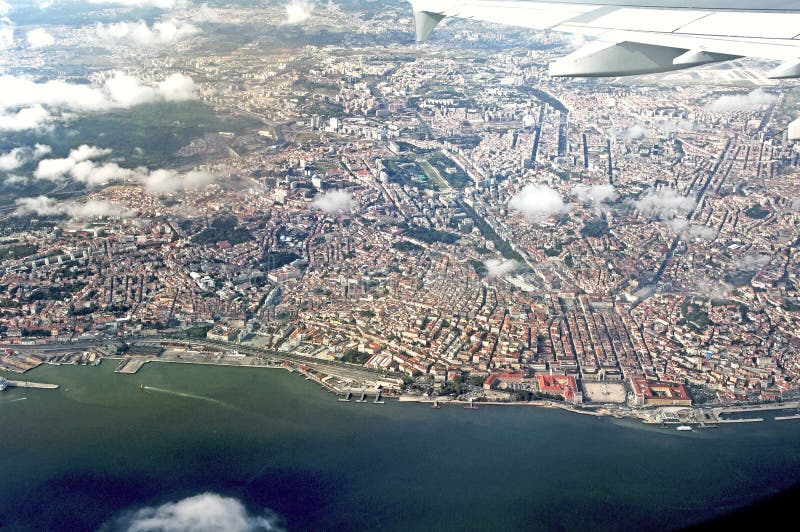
[28, 104]
[298, 11]
[663, 203]
[333, 201]
[538, 202]
[751, 101]
[161, 33]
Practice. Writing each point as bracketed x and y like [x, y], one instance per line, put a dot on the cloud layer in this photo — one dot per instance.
[595, 194]
[333, 201]
[160, 4]
[690, 230]
[663, 203]
[6, 36]
[538, 202]
[81, 165]
[27, 104]
[500, 267]
[298, 11]
[21, 156]
[139, 33]
[207, 511]
[168, 181]
[208, 14]
[752, 263]
[45, 206]
[39, 38]
[742, 102]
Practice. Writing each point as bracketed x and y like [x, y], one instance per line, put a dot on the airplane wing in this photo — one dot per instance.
[632, 37]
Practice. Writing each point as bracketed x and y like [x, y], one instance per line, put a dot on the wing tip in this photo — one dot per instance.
[425, 22]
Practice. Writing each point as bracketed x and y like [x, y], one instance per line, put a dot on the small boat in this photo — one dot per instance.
[436, 404]
[684, 427]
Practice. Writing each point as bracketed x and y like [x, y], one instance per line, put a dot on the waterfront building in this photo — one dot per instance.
[650, 393]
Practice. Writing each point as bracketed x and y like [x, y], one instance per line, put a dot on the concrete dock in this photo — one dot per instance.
[28, 384]
[747, 420]
[130, 366]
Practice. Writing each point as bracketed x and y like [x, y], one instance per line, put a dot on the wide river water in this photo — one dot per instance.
[102, 447]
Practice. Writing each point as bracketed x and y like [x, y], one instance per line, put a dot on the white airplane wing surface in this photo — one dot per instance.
[643, 36]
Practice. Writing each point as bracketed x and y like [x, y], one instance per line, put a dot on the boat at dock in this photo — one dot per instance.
[346, 399]
[471, 405]
[684, 427]
[436, 404]
[3, 384]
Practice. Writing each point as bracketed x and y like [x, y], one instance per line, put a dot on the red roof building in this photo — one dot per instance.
[659, 393]
[560, 385]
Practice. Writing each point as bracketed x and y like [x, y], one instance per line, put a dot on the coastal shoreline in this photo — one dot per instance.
[694, 415]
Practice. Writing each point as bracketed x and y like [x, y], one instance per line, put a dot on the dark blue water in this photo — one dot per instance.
[100, 447]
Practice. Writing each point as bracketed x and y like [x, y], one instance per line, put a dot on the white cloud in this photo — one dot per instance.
[52, 169]
[702, 232]
[208, 14]
[500, 267]
[95, 209]
[160, 4]
[41, 205]
[33, 117]
[5, 8]
[682, 226]
[713, 289]
[21, 92]
[333, 201]
[176, 88]
[595, 194]
[207, 511]
[742, 102]
[93, 174]
[29, 105]
[139, 33]
[80, 167]
[575, 41]
[44, 206]
[298, 11]
[636, 131]
[39, 38]
[128, 91]
[663, 203]
[167, 181]
[6, 36]
[671, 126]
[538, 202]
[40, 150]
[84, 152]
[752, 263]
[12, 160]
[20, 156]
[678, 225]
